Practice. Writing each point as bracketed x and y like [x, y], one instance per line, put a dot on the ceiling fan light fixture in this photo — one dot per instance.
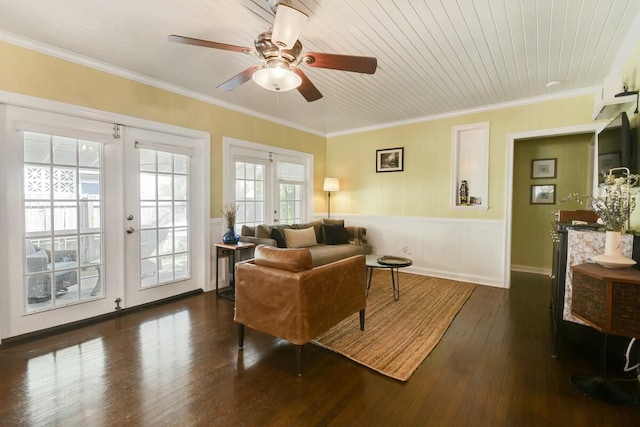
[277, 77]
[287, 26]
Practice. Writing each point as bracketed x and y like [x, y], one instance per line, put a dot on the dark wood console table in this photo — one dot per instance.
[609, 301]
[230, 251]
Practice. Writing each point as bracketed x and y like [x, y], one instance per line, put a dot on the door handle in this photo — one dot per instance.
[130, 230]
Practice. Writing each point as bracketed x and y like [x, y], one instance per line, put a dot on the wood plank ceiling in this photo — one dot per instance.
[434, 56]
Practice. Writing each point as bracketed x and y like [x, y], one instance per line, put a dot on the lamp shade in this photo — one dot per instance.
[331, 184]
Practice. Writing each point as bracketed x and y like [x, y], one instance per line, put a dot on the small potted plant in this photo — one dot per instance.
[229, 213]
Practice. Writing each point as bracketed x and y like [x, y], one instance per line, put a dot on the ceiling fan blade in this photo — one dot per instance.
[207, 43]
[288, 25]
[357, 64]
[239, 79]
[306, 88]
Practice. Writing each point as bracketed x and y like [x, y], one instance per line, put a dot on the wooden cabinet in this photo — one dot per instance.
[607, 299]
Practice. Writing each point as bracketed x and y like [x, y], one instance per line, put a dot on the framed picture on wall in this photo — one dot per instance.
[390, 160]
[543, 194]
[543, 168]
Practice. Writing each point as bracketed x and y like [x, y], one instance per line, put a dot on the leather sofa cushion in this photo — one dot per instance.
[288, 259]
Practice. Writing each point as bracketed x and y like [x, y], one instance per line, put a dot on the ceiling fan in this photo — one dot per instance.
[280, 52]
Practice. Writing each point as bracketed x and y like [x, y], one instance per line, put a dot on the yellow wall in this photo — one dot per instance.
[531, 224]
[31, 73]
[631, 76]
[424, 188]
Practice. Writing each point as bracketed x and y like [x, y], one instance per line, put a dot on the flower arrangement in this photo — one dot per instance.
[615, 206]
[229, 212]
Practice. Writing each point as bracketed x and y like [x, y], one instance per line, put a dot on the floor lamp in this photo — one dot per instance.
[330, 184]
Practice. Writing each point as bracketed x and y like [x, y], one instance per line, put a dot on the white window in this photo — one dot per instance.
[268, 185]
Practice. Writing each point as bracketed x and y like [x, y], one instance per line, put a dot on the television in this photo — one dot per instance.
[617, 147]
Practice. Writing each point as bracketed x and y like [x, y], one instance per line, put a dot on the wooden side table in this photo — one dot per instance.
[229, 251]
[608, 300]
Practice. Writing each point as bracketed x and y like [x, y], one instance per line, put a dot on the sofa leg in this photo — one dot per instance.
[362, 319]
[240, 335]
[299, 358]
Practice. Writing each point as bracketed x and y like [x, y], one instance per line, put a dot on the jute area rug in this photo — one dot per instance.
[399, 335]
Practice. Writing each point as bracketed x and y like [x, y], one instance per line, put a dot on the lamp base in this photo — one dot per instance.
[604, 390]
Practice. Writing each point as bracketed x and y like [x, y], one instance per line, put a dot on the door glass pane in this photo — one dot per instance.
[249, 197]
[290, 203]
[164, 218]
[64, 151]
[62, 190]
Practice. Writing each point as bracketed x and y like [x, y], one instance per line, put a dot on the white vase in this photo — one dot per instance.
[613, 243]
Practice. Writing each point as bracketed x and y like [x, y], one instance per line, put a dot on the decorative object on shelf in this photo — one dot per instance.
[330, 184]
[627, 92]
[390, 160]
[229, 213]
[614, 206]
[543, 194]
[543, 168]
[464, 193]
[615, 202]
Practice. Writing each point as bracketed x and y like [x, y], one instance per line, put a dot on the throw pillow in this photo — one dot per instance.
[278, 235]
[328, 221]
[248, 230]
[335, 234]
[317, 226]
[300, 238]
[263, 231]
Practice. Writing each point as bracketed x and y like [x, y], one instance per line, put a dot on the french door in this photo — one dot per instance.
[268, 185]
[158, 216]
[99, 217]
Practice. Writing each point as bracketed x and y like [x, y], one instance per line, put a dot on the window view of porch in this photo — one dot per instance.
[62, 190]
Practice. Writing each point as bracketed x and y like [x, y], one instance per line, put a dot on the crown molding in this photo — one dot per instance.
[141, 78]
[475, 110]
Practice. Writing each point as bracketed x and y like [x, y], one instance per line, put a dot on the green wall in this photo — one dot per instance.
[531, 224]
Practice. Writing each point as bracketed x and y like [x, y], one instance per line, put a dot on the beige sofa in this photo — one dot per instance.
[333, 241]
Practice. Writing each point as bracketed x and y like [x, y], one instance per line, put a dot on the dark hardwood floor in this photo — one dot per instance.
[178, 364]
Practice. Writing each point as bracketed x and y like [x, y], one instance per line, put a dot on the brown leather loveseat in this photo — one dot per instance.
[281, 294]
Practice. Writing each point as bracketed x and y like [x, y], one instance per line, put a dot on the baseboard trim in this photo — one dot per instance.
[19, 339]
[529, 269]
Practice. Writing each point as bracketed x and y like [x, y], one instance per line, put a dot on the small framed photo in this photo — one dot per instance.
[390, 160]
[543, 194]
[543, 168]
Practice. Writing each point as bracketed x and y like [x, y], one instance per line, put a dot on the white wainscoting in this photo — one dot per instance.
[217, 229]
[459, 249]
[468, 250]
